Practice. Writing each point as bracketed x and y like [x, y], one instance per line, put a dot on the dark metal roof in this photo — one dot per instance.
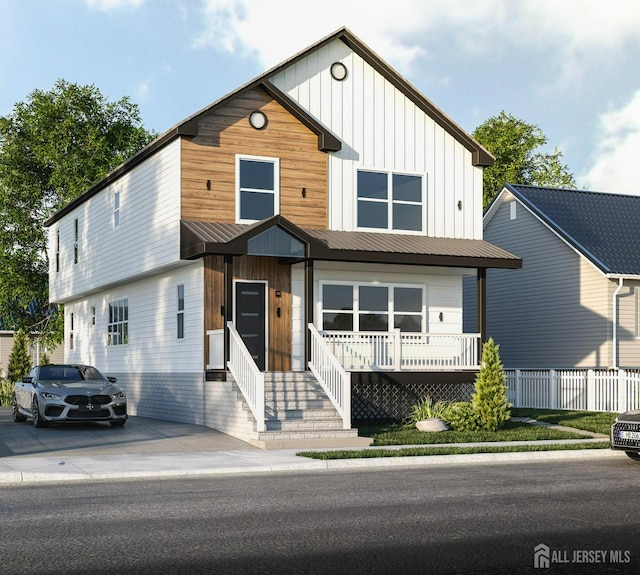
[603, 227]
[203, 238]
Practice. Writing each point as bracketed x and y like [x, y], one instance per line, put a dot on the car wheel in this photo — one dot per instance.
[17, 416]
[38, 421]
[118, 422]
[633, 455]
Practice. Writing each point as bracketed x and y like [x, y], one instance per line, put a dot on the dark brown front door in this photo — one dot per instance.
[251, 318]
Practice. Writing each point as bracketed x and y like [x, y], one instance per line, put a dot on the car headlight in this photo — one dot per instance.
[119, 395]
[48, 395]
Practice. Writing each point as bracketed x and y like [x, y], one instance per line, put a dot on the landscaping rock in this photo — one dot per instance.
[431, 424]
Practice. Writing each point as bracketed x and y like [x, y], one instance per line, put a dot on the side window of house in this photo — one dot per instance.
[76, 240]
[390, 201]
[257, 188]
[180, 316]
[71, 343]
[57, 250]
[118, 328]
[116, 209]
[367, 307]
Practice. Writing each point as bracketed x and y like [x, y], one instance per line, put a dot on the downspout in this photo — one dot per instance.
[614, 351]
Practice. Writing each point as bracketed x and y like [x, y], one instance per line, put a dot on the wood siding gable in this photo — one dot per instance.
[208, 175]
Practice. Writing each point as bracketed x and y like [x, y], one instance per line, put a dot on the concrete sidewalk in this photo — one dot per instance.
[148, 448]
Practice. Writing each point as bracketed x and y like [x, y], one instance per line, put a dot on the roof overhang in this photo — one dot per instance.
[198, 239]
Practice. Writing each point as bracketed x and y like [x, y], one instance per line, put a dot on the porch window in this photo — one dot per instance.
[369, 307]
[337, 303]
[118, 328]
[389, 201]
[257, 188]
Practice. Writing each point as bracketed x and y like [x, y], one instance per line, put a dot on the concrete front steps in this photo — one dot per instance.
[299, 415]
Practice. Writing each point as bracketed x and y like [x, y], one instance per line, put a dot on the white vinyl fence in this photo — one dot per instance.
[614, 390]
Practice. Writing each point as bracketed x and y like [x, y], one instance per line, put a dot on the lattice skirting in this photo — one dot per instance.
[383, 400]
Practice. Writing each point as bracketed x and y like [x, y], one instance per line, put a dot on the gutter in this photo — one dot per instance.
[614, 351]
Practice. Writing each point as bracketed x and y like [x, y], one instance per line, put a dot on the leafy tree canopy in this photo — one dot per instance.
[516, 146]
[53, 147]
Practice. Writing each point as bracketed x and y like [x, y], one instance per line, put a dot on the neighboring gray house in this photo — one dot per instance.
[575, 301]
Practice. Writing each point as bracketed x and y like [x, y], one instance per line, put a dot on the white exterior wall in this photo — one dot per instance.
[153, 346]
[147, 239]
[443, 294]
[381, 128]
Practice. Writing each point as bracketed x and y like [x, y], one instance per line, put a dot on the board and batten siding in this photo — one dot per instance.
[209, 160]
[383, 129]
[147, 239]
[554, 311]
[153, 344]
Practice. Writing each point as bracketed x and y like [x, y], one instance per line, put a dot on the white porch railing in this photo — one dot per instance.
[216, 349]
[580, 389]
[335, 381]
[249, 378]
[396, 350]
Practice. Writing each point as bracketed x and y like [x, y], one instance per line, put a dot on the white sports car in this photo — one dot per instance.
[56, 393]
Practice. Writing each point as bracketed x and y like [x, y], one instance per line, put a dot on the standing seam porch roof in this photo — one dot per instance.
[206, 238]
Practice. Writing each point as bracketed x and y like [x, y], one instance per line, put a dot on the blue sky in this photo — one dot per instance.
[569, 66]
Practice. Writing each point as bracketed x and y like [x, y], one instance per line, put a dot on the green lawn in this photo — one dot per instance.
[397, 434]
[596, 421]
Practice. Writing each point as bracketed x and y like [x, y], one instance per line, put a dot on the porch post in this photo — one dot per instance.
[308, 309]
[482, 308]
[228, 302]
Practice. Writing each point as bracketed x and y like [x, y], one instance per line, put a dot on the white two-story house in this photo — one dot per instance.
[287, 260]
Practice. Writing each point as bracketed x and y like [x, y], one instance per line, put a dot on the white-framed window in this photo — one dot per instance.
[57, 250]
[390, 201]
[180, 314]
[257, 188]
[93, 315]
[116, 209]
[76, 240]
[372, 307]
[118, 327]
[71, 330]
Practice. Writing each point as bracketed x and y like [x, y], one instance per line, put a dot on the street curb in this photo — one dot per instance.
[169, 466]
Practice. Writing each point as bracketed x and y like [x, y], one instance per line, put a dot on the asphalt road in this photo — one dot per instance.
[467, 518]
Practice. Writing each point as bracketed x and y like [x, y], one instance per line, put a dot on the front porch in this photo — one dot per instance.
[384, 351]
[387, 373]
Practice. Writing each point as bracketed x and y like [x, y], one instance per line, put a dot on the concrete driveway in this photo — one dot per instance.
[141, 435]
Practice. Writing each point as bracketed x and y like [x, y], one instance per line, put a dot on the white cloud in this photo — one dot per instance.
[107, 5]
[617, 150]
[402, 31]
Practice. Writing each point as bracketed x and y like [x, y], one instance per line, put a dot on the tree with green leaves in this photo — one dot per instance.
[516, 146]
[20, 358]
[489, 399]
[53, 147]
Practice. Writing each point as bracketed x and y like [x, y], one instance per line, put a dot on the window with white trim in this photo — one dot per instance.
[118, 328]
[390, 201]
[71, 331]
[372, 307]
[257, 188]
[76, 239]
[180, 315]
[116, 209]
[57, 250]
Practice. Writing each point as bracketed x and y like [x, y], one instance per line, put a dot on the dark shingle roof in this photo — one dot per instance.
[602, 226]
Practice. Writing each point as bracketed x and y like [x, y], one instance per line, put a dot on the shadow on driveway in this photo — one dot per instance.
[139, 435]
